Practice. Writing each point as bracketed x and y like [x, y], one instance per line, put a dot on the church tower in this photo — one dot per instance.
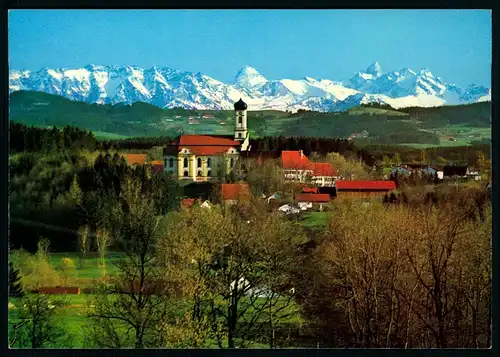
[240, 124]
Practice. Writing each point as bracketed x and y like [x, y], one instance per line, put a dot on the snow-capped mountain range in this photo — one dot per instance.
[168, 88]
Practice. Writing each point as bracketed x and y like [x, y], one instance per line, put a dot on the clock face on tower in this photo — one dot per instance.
[240, 113]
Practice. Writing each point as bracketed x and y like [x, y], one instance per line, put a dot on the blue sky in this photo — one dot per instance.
[333, 44]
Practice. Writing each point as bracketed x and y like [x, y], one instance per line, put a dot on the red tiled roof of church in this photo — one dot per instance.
[206, 150]
[205, 140]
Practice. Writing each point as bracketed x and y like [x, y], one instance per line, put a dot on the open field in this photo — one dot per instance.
[315, 219]
[73, 316]
[101, 135]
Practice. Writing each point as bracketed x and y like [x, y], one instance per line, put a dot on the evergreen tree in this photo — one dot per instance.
[15, 289]
[75, 191]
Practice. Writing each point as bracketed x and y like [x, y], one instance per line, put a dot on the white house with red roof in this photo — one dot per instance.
[297, 167]
[208, 157]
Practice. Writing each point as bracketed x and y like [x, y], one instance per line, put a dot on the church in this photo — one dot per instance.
[208, 157]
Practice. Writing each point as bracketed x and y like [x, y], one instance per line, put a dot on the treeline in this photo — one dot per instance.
[475, 114]
[409, 275]
[25, 138]
[53, 194]
[306, 144]
[466, 155]
[376, 105]
[141, 142]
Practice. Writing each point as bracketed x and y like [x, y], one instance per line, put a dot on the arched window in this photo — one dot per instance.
[209, 162]
[171, 162]
[199, 173]
[239, 135]
[199, 162]
[186, 174]
[231, 162]
[240, 120]
[185, 162]
[208, 173]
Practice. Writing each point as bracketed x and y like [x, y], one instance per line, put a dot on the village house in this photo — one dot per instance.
[363, 189]
[313, 200]
[208, 157]
[450, 171]
[134, 159]
[297, 167]
[232, 193]
[187, 203]
[157, 166]
[434, 170]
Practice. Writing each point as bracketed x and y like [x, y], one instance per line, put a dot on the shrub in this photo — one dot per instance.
[67, 267]
[35, 272]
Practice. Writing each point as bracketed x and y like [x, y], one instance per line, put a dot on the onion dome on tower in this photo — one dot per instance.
[240, 105]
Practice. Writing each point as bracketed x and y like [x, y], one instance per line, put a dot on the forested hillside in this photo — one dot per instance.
[439, 126]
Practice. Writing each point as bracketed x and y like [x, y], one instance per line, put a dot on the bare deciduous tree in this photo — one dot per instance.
[131, 309]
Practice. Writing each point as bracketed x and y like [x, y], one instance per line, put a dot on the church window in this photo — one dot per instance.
[185, 162]
[199, 173]
[171, 162]
[185, 174]
[208, 173]
[239, 135]
[209, 162]
[240, 120]
[199, 162]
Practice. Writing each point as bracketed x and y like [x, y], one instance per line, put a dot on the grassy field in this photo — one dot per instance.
[91, 268]
[73, 316]
[315, 220]
[375, 111]
[102, 135]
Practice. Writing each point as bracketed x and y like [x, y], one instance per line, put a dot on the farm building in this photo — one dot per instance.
[134, 159]
[297, 167]
[157, 166]
[455, 170]
[360, 189]
[433, 170]
[399, 170]
[313, 199]
[187, 203]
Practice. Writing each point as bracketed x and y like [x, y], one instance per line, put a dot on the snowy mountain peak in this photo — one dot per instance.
[166, 87]
[374, 69]
[407, 71]
[248, 77]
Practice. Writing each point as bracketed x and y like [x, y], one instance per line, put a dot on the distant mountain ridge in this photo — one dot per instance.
[169, 88]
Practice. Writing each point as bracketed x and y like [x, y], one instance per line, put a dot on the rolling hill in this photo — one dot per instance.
[366, 124]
